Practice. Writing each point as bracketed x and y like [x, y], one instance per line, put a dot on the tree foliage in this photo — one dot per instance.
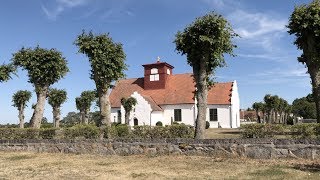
[304, 107]
[57, 97]
[274, 109]
[44, 66]
[83, 104]
[105, 56]
[128, 104]
[205, 42]
[304, 23]
[85, 100]
[5, 72]
[20, 98]
[107, 61]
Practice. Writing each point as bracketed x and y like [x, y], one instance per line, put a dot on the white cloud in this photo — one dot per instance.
[253, 25]
[60, 6]
[266, 56]
[72, 3]
[258, 29]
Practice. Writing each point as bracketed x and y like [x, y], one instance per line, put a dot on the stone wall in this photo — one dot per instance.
[250, 148]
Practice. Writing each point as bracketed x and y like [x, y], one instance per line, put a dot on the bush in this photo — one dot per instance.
[261, 130]
[207, 124]
[181, 131]
[141, 132]
[159, 123]
[82, 131]
[16, 133]
[304, 130]
[110, 132]
[47, 133]
[174, 123]
[123, 131]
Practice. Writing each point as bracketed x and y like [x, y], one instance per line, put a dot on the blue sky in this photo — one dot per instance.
[265, 63]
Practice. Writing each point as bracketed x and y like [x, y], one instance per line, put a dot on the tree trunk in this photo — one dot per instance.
[126, 117]
[85, 117]
[105, 108]
[56, 116]
[39, 108]
[21, 116]
[201, 95]
[315, 79]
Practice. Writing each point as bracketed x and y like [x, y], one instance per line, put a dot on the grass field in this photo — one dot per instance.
[22, 165]
[220, 133]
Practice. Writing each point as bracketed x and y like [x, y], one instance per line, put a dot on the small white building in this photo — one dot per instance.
[163, 96]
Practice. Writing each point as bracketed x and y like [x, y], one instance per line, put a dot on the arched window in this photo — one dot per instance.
[135, 122]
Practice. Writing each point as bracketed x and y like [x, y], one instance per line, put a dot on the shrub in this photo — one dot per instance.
[47, 133]
[158, 132]
[16, 133]
[122, 131]
[115, 123]
[110, 132]
[207, 124]
[141, 132]
[304, 130]
[174, 123]
[261, 130]
[181, 131]
[82, 131]
[159, 123]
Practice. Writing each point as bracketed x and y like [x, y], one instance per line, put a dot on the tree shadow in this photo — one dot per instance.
[308, 167]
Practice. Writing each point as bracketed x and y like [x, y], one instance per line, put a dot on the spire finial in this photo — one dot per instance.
[158, 59]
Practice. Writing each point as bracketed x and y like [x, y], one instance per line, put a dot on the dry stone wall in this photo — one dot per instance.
[250, 148]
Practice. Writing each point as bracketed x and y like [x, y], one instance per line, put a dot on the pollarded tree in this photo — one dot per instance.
[56, 98]
[83, 104]
[5, 71]
[205, 42]
[128, 104]
[258, 107]
[20, 99]
[107, 60]
[304, 23]
[271, 105]
[45, 67]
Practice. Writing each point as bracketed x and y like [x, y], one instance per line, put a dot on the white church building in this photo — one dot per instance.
[167, 97]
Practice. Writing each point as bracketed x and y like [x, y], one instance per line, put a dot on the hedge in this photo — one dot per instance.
[296, 131]
[261, 130]
[93, 132]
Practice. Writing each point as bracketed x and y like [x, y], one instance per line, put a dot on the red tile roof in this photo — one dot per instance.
[179, 90]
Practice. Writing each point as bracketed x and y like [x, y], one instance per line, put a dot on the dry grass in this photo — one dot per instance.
[22, 165]
[220, 133]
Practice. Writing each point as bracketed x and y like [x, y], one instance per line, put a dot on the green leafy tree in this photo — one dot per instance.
[5, 72]
[84, 103]
[56, 98]
[71, 119]
[20, 99]
[128, 104]
[304, 23]
[304, 107]
[205, 42]
[107, 60]
[258, 107]
[271, 105]
[44, 67]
